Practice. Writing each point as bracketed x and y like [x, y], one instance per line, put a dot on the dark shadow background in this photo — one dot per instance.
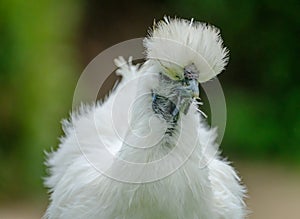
[45, 46]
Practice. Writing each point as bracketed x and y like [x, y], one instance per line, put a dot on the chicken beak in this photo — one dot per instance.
[194, 86]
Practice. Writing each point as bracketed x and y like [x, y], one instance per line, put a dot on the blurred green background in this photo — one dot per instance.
[45, 45]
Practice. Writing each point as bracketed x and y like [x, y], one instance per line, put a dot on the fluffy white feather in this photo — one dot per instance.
[204, 187]
[181, 42]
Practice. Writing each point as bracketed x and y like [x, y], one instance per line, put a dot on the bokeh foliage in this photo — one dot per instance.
[37, 77]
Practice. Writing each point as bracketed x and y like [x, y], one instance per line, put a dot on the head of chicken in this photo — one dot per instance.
[187, 53]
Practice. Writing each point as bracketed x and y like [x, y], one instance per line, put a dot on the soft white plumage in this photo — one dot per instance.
[180, 42]
[85, 183]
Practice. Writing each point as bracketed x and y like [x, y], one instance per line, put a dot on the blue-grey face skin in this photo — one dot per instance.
[186, 93]
[191, 79]
[181, 96]
[191, 87]
[188, 90]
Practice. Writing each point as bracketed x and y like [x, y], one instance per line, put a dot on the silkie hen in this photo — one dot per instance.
[146, 151]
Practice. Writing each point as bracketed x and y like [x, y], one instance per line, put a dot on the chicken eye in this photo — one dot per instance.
[185, 82]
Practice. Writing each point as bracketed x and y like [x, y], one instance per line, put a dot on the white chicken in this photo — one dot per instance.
[146, 151]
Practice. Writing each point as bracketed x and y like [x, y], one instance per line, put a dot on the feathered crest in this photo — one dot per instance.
[176, 43]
